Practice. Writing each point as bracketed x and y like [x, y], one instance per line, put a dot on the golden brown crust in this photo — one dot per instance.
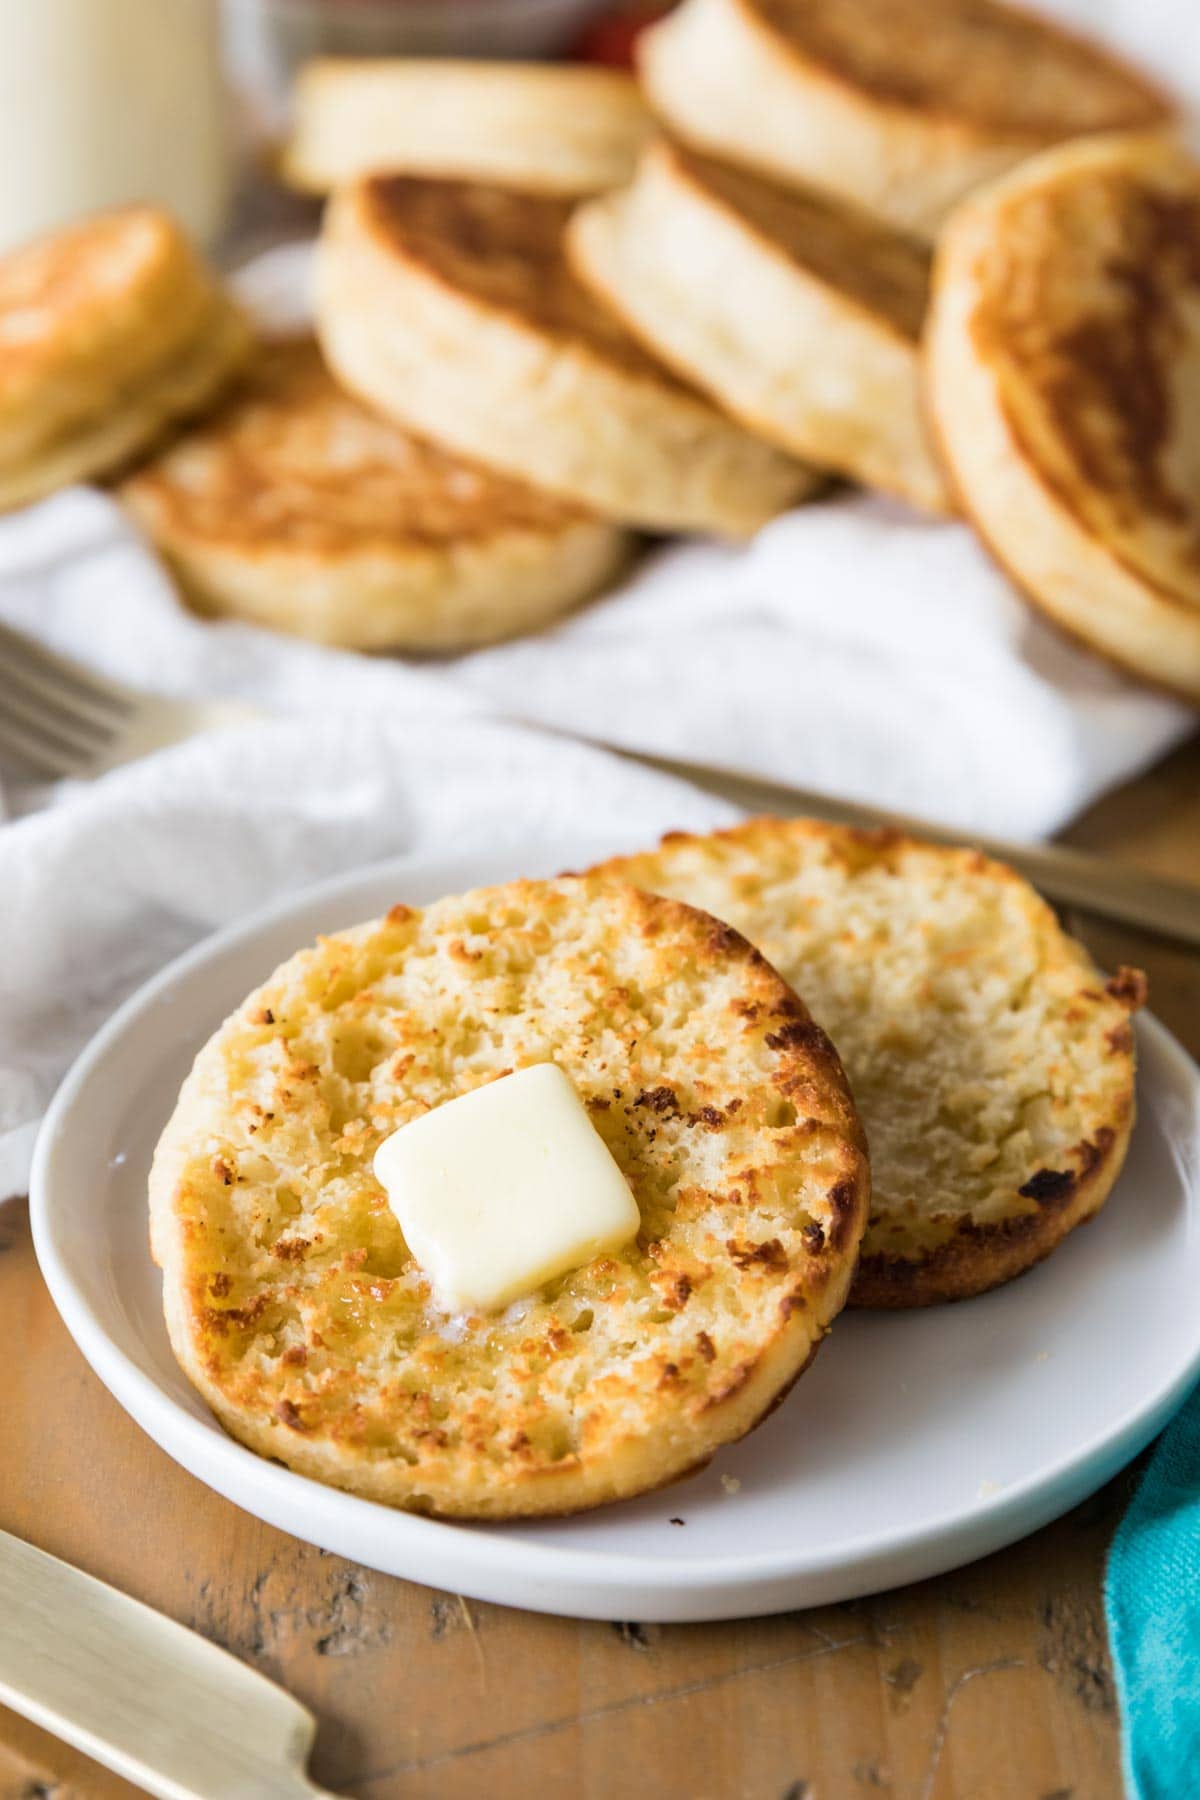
[292, 1301]
[800, 315]
[881, 271]
[1059, 366]
[295, 507]
[981, 1257]
[901, 106]
[1077, 299]
[451, 307]
[976, 63]
[116, 283]
[109, 330]
[1071, 635]
[291, 462]
[993, 1067]
[504, 248]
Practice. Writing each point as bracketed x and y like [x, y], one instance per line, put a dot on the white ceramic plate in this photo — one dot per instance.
[917, 1442]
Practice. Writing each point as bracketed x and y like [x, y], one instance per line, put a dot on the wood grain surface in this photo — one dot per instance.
[991, 1682]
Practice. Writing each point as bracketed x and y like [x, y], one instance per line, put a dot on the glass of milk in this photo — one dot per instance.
[103, 102]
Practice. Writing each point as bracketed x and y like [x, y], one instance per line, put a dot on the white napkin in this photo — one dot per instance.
[1162, 35]
[97, 894]
[852, 648]
[858, 650]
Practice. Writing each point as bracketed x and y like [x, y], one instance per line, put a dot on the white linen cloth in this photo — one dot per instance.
[851, 647]
[99, 892]
[1163, 36]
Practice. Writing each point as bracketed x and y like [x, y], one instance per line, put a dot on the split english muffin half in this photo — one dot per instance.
[799, 314]
[1063, 361]
[555, 129]
[109, 332]
[451, 307]
[295, 1306]
[992, 1064]
[900, 105]
[295, 507]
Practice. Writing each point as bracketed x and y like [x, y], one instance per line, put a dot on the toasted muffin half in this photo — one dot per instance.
[451, 307]
[557, 129]
[992, 1064]
[900, 105]
[109, 331]
[292, 1299]
[1064, 383]
[295, 507]
[798, 314]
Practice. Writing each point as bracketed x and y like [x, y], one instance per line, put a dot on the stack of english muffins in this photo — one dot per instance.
[821, 260]
[942, 249]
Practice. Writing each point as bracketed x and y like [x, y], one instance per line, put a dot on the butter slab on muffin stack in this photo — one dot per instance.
[295, 507]
[298, 1309]
[451, 307]
[109, 332]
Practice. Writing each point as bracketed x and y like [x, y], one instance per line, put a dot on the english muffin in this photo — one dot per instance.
[296, 508]
[801, 316]
[899, 105]
[295, 1306]
[992, 1065]
[109, 330]
[1064, 380]
[557, 129]
[450, 306]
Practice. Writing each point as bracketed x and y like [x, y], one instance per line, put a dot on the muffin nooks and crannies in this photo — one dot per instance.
[295, 507]
[992, 1063]
[295, 1305]
[1063, 361]
[110, 331]
[450, 306]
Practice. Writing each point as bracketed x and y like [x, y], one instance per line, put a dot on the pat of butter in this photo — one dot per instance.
[504, 1188]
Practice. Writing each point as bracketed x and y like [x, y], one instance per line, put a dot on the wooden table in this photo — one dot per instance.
[993, 1681]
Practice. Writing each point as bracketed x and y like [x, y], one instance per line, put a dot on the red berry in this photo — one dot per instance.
[609, 38]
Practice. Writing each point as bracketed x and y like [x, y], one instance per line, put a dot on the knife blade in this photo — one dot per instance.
[1094, 884]
[146, 1697]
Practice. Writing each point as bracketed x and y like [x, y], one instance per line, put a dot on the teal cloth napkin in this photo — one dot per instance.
[1152, 1595]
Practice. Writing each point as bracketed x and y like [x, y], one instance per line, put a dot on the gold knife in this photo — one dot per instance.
[160, 1705]
[1069, 877]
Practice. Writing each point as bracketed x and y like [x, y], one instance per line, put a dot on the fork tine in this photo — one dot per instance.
[40, 717]
[52, 718]
[32, 755]
[58, 676]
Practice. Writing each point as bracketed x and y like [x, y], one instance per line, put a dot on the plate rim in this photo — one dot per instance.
[494, 1548]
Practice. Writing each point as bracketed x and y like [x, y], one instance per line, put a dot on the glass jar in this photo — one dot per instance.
[103, 102]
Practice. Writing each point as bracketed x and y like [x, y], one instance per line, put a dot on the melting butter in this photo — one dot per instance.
[504, 1188]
